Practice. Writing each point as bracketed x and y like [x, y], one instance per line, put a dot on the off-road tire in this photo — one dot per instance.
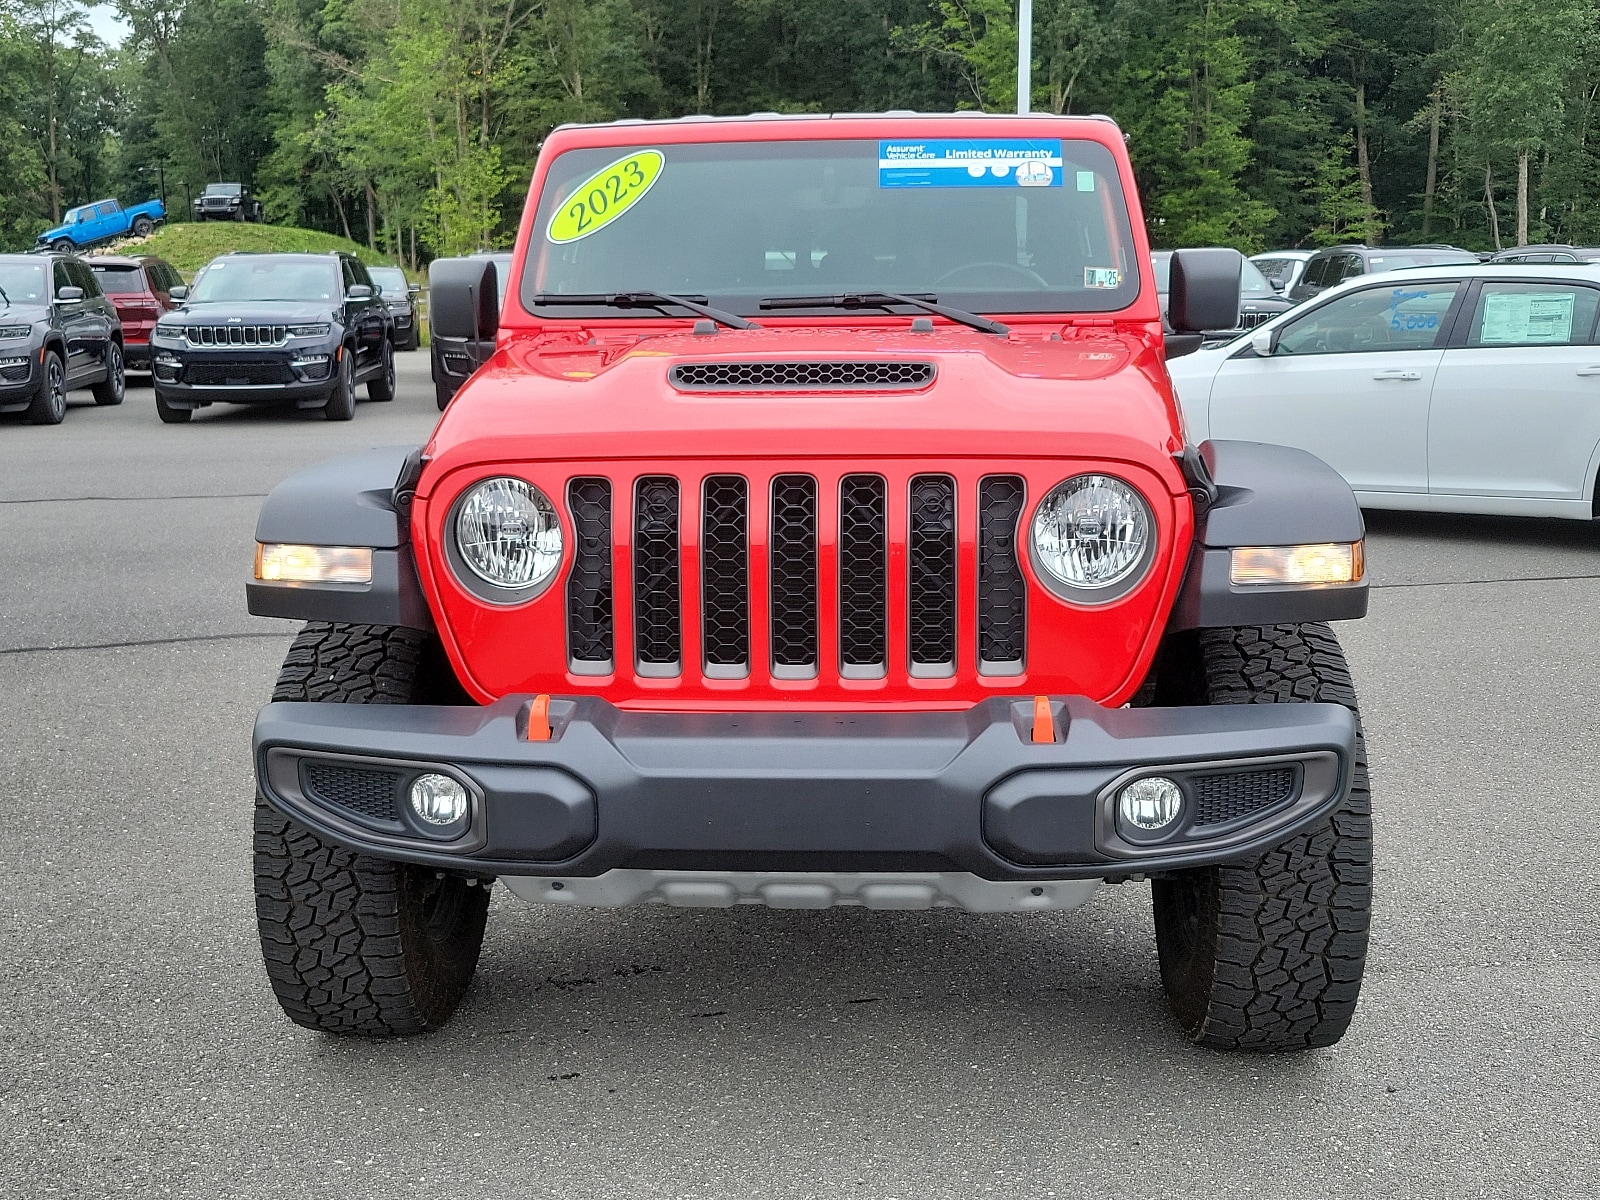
[341, 405]
[64, 246]
[142, 226]
[1267, 953]
[170, 414]
[355, 944]
[49, 405]
[114, 386]
[381, 386]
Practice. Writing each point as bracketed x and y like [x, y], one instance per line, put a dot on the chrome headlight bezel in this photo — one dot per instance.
[1128, 571]
[13, 333]
[467, 566]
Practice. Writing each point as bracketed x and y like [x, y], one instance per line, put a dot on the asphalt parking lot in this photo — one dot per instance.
[751, 1053]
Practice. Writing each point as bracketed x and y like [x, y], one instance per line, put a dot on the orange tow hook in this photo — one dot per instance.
[538, 719]
[1044, 721]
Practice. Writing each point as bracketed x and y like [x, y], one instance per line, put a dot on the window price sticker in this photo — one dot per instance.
[970, 162]
[1522, 318]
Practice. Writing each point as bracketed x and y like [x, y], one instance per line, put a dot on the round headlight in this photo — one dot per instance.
[508, 535]
[1092, 538]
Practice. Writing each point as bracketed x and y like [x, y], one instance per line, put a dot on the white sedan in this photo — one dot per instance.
[1471, 389]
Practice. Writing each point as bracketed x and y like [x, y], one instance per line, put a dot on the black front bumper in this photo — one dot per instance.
[230, 376]
[802, 791]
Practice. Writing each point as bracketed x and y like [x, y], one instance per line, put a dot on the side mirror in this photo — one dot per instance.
[464, 298]
[1205, 290]
[178, 291]
[1277, 285]
[69, 295]
[359, 291]
[414, 289]
[1264, 342]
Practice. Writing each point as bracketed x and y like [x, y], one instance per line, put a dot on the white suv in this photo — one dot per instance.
[1471, 389]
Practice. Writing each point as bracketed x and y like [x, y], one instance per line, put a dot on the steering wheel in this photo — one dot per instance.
[1033, 278]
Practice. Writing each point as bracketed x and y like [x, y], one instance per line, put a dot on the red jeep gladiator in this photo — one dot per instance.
[819, 529]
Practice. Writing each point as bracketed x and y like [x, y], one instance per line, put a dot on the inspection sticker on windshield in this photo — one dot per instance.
[1102, 277]
[970, 162]
[605, 196]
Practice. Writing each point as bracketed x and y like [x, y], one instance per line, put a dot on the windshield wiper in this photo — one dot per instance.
[5, 298]
[660, 300]
[883, 300]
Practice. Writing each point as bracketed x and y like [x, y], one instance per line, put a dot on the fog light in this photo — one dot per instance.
[1150, 804]
[438, 799]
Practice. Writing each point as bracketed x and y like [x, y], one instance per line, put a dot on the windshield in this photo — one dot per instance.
[223, 189]
[23, 283]
[245, 278]
[1276, 269]
[391, 281]
[997, 225]
[120, 280]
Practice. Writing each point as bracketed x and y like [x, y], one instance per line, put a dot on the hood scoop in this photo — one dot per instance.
[813, 376]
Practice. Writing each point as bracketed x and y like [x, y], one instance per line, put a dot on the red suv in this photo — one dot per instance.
[141, 290]
[821, 530]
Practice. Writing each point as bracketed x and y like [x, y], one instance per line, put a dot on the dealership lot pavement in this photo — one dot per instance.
[751, 1053]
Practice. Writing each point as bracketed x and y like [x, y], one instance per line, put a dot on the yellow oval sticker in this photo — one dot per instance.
[605, 196]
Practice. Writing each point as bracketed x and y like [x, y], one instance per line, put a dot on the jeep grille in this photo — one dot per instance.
[805, 600]
[799, 376]
[236, 335]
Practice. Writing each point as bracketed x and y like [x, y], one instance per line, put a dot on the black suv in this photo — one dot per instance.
[57, 332]
[400, 294]
[1338, 263]
[305, 329]
[226, 202]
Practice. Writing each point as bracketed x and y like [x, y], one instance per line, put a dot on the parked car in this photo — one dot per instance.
[400, 294]
[141, 289]
[1258, 300]
[451, 360]
[1282, 268]
[1472, 389]
[226, 202]
[57, 332]
[302, 329]
[102, 221]
[1337, 263]
[1547, 254]
[745, 572]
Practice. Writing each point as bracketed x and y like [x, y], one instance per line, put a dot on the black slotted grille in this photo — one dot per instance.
[798, 376]
[1002, 601]
[365, 792]
[246, 374]
[1227, 797]
[931, 573]
[725, 574]
[863, 574]
[657, 629]
[589, 606]
[792, 550]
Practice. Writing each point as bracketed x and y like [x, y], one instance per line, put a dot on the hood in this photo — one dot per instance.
[16, 314]
[50, 235]
[1046, 390]
[255, 312]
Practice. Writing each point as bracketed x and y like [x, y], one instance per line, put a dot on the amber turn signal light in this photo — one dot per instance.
[1323, 562]
[277, 562]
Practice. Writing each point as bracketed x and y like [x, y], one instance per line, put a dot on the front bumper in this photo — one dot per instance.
[238, 376]
[19, 377]
[805, 792]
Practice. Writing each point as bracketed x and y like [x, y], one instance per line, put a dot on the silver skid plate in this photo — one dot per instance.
[723, 889]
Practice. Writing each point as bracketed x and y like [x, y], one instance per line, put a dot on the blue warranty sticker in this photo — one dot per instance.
[970, 162]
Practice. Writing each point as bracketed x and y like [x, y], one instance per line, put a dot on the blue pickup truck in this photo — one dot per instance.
[102, 221]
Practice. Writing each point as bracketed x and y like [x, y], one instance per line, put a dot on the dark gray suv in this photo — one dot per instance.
[57, 332]
[301, 329]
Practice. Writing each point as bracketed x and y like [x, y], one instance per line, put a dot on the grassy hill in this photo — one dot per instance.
[190, 245]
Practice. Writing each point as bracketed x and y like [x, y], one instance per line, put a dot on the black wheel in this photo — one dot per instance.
[341, 404]
[142, 226]
[115, 385]
[381, 385]
[355, 944]
[170, 414]
[63, 246]
[1268, 953]
[49, 405]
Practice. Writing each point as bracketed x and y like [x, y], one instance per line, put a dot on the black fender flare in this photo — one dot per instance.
[359, 499]
[1255, 494]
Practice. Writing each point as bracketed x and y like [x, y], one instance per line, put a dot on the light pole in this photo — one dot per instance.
[1024, 54]
[161, 180]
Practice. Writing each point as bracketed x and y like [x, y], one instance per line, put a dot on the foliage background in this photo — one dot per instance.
[412, 125]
